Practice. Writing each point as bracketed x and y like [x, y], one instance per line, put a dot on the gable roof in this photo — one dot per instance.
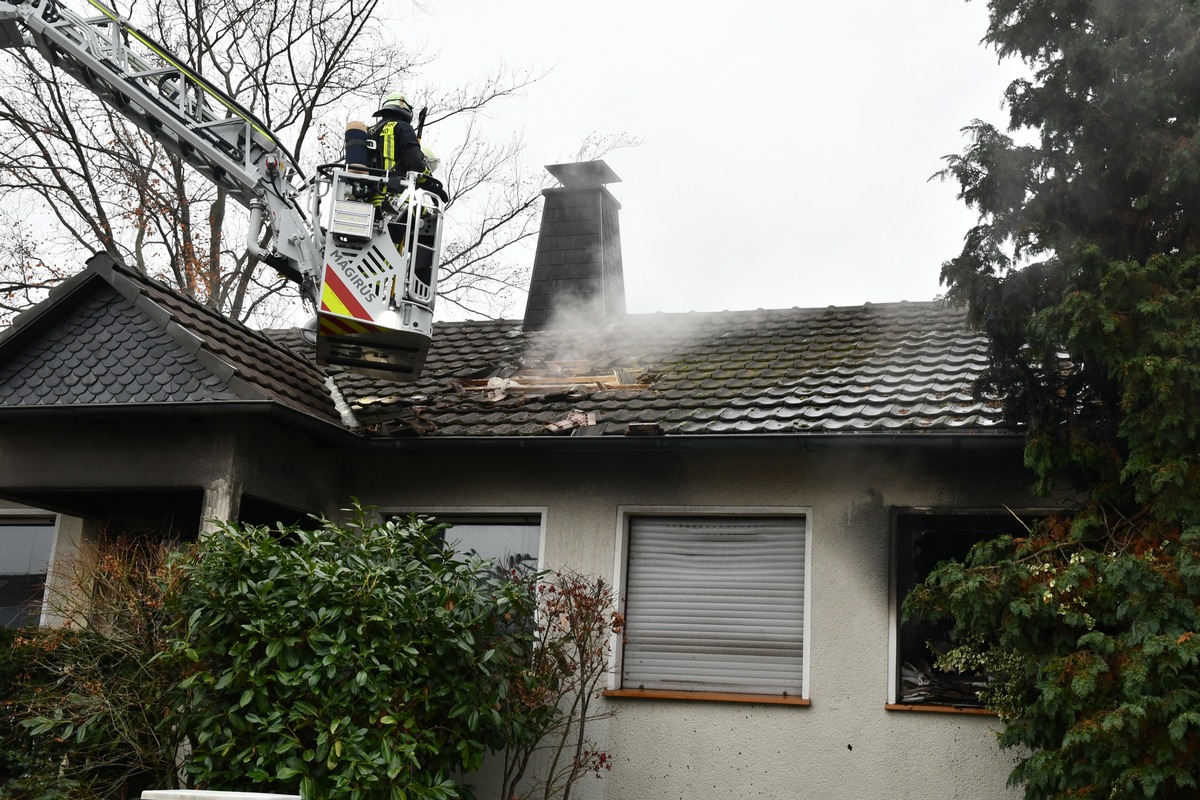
[892, 368]
[111, 336]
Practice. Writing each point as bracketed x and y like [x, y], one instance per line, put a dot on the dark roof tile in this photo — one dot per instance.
[907, 367]
[114, 336]
[873, 368]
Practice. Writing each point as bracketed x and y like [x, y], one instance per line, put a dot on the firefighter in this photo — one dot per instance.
[398, 151]
[396, 145]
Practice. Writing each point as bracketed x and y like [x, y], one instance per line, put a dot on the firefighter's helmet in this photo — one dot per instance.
[396, 104]
[431, 160]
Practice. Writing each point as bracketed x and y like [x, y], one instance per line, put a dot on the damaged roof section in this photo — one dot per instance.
[557, 377]
[903, 367]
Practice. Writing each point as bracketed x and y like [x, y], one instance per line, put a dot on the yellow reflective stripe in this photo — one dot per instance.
[336, 326]
[388, 134]
[331, 302]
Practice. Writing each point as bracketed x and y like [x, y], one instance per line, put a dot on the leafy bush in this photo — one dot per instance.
[1089, 636]
[12, 671]
[85, 704]
[550, 703]
[354, 661]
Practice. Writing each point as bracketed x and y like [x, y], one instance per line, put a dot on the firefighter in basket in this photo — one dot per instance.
[397, 149]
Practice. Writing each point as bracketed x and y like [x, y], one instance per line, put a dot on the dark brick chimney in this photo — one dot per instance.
[577, 277]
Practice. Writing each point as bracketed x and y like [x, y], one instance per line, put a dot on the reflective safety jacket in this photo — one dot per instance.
[396, 146]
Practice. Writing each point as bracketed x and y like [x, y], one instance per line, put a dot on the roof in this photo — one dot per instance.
[890, 368]
[112, 336]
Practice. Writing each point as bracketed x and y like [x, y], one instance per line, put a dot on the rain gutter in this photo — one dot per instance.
[714, 442]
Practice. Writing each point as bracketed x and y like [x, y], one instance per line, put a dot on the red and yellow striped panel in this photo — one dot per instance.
[338, 298]
[340, 326]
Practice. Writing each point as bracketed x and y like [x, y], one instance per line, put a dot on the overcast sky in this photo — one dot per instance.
[787, 145]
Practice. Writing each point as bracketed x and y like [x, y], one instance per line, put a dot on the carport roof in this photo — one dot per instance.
[110, 336]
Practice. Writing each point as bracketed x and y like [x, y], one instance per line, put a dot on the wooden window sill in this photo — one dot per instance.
[710, 697]
[932, 709]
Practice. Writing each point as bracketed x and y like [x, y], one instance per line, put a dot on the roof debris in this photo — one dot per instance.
[557, 378]
[573, 420]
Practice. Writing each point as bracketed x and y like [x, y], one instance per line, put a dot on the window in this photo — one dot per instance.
[25, 545]
[715, 605]
[922, 542]
[510, 538]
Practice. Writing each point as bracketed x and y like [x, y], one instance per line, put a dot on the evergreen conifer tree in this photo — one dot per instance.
[1084, 269]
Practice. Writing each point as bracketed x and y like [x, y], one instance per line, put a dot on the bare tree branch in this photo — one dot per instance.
[303, 68]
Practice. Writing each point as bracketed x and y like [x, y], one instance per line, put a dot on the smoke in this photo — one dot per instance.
[632, 343]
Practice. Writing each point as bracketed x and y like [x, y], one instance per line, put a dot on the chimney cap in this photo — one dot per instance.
[580, 174]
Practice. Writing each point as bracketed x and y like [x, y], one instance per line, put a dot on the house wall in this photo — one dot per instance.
[845, 745]
[225, 456]
[69, 533]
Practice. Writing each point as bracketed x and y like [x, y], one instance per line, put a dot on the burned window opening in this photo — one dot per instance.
[923, 542]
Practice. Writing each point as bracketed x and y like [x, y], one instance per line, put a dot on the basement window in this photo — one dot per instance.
[25, 546]
[922, 542]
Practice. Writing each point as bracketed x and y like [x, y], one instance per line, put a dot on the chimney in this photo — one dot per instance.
[577, 277]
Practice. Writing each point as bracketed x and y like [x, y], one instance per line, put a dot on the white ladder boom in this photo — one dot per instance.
[376, 313]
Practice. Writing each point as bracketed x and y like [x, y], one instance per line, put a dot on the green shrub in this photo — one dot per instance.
[350, 661]
[11, 669]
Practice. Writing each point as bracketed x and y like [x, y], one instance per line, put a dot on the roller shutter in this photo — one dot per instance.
[715, 604]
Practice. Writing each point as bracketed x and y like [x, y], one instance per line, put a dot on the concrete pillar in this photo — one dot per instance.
[71, 559]
[222, 499]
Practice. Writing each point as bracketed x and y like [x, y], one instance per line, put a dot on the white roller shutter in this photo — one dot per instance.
[715, 604]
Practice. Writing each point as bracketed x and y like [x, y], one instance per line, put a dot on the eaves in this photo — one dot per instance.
[328, 432]
[765, 442]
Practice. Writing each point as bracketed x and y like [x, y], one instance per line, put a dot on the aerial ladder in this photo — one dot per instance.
[368, 267]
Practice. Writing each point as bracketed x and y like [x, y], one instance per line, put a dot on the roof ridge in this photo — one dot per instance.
[920, 305]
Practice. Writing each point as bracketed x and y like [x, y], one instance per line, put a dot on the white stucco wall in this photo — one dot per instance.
[70, 534]
[845, 745]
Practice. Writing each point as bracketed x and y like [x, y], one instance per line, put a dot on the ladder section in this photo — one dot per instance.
[152, 88]
[372, 274]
